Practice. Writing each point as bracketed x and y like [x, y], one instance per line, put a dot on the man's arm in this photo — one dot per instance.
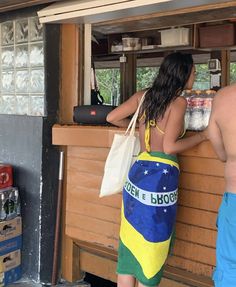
[215, 135]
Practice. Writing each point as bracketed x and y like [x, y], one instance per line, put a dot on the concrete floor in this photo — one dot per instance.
[28, 283]
[89, 280]
[39, 285]
[31, 284]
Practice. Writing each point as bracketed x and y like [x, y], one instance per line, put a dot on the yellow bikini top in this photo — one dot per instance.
[150, 124]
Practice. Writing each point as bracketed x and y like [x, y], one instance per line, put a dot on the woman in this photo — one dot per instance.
[150, 192]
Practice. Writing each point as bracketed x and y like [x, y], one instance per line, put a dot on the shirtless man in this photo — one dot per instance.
[222, 134]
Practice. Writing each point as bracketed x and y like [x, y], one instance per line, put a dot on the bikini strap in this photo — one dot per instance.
[147, 137]
[151, 123]
[183, 133]
[160, 130]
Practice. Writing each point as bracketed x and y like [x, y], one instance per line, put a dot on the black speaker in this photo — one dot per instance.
[92, 114]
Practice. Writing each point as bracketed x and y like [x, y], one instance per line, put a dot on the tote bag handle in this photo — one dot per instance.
[132, 124]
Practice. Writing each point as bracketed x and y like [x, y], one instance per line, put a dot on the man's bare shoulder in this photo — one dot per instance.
[225, 98]
[227, 91]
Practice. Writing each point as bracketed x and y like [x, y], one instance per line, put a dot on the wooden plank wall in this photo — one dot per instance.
[201, 189]
[89, 218]
[95, 221]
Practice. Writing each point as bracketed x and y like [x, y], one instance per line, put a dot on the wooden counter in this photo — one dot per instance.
[92, 224]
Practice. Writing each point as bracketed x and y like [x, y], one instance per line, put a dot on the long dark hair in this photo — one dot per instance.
[173, 75]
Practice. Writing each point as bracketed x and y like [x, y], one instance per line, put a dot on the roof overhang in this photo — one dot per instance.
[96, 11]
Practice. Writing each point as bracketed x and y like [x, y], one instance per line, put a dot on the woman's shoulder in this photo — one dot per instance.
[139, 94]
[178, 105]
[180, 102]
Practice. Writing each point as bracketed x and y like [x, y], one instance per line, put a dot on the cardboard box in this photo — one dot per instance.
[10, 245]
[217, 35]
[10, 276]
[10, 260]
[10, 228]
[6, 178]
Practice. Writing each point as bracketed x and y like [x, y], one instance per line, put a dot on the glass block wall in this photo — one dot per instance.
[22, 67]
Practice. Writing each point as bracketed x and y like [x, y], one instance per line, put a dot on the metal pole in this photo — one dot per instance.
[58, 220]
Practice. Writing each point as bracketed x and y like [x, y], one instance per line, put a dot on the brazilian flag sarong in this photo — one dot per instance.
[148, 216]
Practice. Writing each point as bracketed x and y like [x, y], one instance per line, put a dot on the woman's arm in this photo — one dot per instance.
[171, 143]
[119, 116]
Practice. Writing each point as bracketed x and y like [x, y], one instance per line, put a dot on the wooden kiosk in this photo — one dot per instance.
[91, 224]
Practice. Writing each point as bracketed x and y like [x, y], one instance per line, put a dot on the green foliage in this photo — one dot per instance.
[202, 79]
[109, 85]
[145, 77]
[109, 80]
[232, 73]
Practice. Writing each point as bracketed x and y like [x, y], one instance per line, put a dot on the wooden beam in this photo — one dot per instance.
[225, 68]
[69, 71]
[186, 277]
[128, 76]
[87, 63]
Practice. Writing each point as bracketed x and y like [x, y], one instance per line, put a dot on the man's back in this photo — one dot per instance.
[222, 132]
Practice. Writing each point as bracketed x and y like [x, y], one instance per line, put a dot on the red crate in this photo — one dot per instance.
[6, 179]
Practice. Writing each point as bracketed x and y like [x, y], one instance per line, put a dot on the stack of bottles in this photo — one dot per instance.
[198, 110]
[10, 228]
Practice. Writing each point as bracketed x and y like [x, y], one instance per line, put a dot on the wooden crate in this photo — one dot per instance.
[217, 35]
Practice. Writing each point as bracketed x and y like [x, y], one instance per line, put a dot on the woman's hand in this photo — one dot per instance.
[204, 134]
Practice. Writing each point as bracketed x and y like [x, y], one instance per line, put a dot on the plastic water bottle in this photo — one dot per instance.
[3, 207]
[13, 204]
[197, 113]
[207, 106]
[17, 201]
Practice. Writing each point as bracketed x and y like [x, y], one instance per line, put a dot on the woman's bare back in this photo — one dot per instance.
[157, 132]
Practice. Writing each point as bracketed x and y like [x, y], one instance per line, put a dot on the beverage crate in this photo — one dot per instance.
[9, 203]
[10, 276]
[6, 178]
[10, 228]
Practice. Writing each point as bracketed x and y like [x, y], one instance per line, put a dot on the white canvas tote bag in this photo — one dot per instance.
[124, 150]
